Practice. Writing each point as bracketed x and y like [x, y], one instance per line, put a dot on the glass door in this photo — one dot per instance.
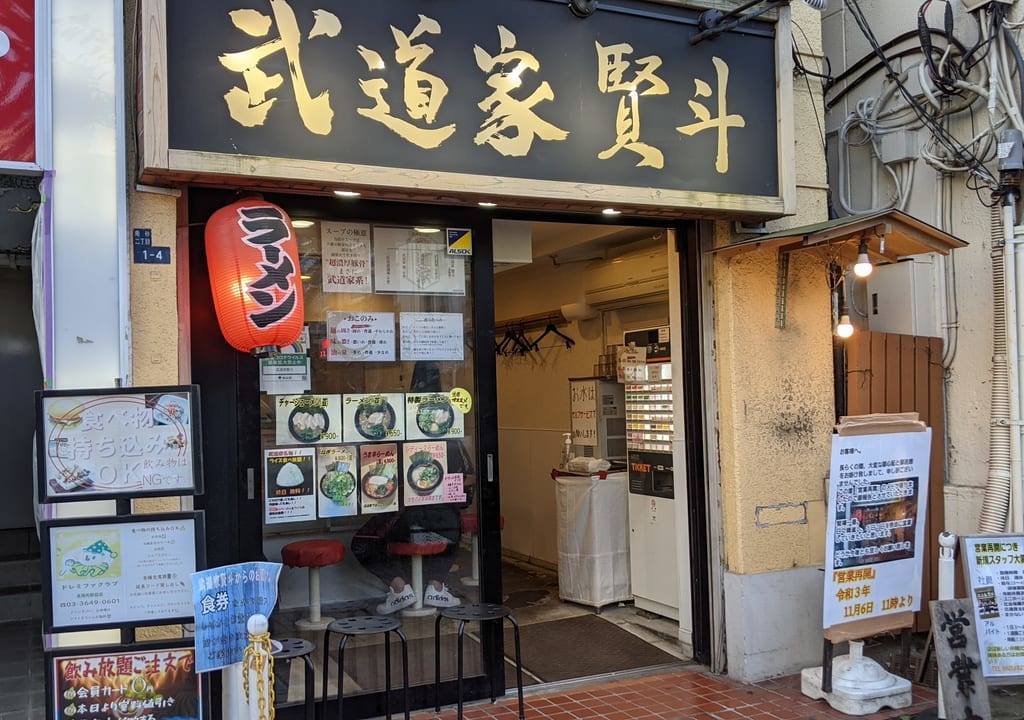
[366, 481]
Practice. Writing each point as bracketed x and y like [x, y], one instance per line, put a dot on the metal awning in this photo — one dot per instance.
[891, 235]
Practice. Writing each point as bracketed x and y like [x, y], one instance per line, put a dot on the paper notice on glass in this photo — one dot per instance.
[360, 337]
[337, 472]
[284, 374]
[378, 477]
[454, 488]
[345, 249]
[432, 415]
[432, 336]
[307, 419]
[407, 261]
[289, 478]
[373, 417]
[878, 492]
[995, 572]
[424, 465]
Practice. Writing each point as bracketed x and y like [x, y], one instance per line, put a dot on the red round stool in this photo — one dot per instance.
[415, 552]
[313, 554]
[471, 525]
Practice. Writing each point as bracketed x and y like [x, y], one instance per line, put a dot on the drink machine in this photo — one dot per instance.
[649, 434]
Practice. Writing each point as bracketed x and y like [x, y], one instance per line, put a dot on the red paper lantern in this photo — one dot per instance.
[254, 266]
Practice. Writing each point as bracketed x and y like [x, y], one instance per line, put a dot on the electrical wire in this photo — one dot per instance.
[974, 167]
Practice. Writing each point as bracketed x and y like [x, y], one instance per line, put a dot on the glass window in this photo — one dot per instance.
[369, 441]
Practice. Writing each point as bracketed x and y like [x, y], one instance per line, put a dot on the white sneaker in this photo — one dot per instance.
[396, 601]
[439, 598]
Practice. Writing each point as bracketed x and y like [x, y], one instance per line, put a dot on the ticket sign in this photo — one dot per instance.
[108, 443]
[994, 565]
[158, 682]
[876, 503]
[224, 598]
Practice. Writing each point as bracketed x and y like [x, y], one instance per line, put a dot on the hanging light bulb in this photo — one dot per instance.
[863, 266]
[844, 328]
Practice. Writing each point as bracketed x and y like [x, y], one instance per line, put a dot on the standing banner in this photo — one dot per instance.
[994, 566]
[877, 498]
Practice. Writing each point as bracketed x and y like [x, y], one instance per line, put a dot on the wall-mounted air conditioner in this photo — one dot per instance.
[636, 278]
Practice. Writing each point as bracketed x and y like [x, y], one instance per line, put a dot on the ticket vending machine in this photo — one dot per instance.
[652, 512]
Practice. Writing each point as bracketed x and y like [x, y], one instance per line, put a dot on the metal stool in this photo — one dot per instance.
[292, 648]
[313, 554]
[483, 612]
[367, 625]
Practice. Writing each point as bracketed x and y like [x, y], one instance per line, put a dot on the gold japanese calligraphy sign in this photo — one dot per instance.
[518, 98]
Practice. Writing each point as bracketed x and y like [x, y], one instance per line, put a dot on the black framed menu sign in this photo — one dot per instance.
[157, 681]
[118, 442]
[107, 572]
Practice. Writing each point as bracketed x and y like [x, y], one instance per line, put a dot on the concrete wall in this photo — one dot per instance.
[949, 205]
[775, 413]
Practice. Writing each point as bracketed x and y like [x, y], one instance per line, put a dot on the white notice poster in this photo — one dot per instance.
[995, 570]
[877, 496]
[409, 261]
[122, 571]
[431, 336]
[345, 249]
[361, 337]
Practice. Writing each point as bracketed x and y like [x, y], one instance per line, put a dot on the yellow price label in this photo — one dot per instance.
[461, 400]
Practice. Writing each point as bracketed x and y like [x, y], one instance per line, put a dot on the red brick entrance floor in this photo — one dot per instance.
[682, 695]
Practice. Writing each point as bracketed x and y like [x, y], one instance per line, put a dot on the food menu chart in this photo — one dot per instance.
[649, 416]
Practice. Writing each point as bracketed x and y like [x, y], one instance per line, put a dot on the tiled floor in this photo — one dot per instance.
[684, 695]
[21, 671]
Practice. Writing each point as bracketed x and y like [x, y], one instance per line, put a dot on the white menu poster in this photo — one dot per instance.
[877, 496]
[424, 468]
[995, 572]
[345, 257]
[409, 261]
[104, 574]
[432, 336]
[373, 417]
[432, 415]
[337, 470]
[360, 336]
[378, 477]
[307, 419]
[289, 485]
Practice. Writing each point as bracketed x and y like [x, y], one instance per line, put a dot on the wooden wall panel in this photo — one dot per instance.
[887, 373]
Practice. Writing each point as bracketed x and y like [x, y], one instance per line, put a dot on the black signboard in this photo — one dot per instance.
[106, 572]
[118, 443]
[157, 681]
[514, 89]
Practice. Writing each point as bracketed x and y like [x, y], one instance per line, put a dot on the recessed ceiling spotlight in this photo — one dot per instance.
[484, 203]
[611, 211]
[427, 230]
[346, 193]
[302, 224]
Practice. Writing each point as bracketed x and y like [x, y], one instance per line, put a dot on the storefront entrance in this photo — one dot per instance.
[366, 459]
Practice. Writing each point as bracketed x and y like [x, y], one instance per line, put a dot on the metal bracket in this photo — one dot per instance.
[781, 289]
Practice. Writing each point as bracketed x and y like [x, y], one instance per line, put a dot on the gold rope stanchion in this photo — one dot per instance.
[258, 660]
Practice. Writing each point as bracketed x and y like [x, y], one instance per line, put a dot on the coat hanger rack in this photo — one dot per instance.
[510, 335]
